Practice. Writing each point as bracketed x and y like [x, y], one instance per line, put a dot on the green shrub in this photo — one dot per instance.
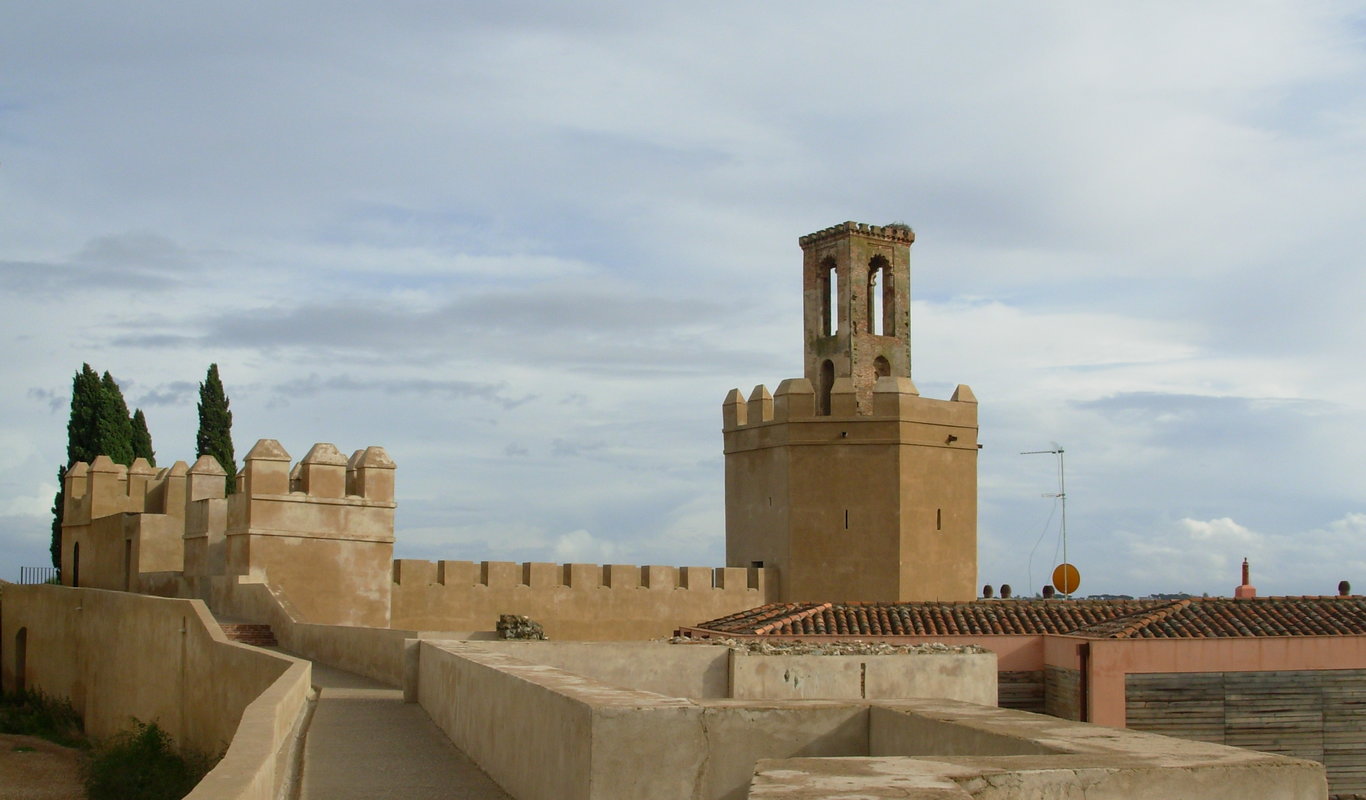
[142, 763]
[30, 713]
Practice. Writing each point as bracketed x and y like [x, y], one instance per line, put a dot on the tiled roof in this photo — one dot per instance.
[1110, 619]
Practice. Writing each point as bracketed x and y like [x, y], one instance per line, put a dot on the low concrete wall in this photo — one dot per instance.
[970, 677]
[544, 733]
[117, 656]
[560, 735]
[668, 669]
[957, 752]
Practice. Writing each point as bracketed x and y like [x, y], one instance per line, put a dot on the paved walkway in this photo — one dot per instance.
[365, 742]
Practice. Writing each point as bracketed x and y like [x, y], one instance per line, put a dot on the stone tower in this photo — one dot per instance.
[848, 481]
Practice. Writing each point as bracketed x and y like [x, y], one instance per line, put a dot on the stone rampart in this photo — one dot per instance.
[572, 601]
[322, 531]
[117, 655]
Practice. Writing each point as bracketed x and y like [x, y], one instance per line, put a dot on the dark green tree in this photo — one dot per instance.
[99, 425]
[142, 439]
[114, 423]
[83, 428]
[215, 425]
[57, 504]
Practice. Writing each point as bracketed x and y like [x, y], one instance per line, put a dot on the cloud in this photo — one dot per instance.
[53, 400]
[142, 251]
[1196, 556]
[581, 547]
[141, 262]
[570, 448]
[176, 393]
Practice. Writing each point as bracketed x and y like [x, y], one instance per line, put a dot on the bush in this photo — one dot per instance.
[35, 714]
[142, 763]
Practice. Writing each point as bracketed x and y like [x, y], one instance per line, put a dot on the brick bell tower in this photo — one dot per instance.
[856, 287]
[848, 481]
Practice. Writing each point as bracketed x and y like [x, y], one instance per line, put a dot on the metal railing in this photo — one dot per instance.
[39, 575]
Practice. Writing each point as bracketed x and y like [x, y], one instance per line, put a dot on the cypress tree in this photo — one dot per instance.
[114, 424]
[83, 428]
[82, 437]
[57, 504]
[99, 425]
[215, 426]
[142, 439]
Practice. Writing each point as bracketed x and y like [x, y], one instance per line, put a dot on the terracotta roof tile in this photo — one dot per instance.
[1214, 617]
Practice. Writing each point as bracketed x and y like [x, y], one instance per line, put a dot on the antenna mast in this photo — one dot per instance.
[1061, 495]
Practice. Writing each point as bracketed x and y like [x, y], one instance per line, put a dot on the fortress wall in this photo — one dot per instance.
[379, 653]
[117, 655]
[572, 601]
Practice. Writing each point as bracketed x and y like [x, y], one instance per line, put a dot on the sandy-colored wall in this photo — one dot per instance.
[117, 655]
[384, 654]
[562, 735]
[878, 506]
[970, 677]
[565, 736]
[572, 601]
[550, 724]
[667, 669]
[330, 581]
[894, 731]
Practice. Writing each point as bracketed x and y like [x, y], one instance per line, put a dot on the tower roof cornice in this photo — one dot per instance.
[896, 232]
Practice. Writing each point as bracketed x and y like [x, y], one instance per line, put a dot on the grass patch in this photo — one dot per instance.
[142, 763]
[35, 714]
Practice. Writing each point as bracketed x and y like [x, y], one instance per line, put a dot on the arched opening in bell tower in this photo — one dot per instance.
[830, 297]
[880, 297]
[827, 383]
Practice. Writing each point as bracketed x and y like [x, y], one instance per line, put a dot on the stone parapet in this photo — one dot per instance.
[572, 601]
[894, 398]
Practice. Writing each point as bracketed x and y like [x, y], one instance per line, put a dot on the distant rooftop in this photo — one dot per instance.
[1210, 617]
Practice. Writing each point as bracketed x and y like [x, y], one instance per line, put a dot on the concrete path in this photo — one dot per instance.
[365, 742]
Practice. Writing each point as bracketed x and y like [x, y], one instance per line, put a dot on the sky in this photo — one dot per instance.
[529, 247]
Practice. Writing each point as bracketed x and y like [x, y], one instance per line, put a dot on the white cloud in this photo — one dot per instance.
[581, 547]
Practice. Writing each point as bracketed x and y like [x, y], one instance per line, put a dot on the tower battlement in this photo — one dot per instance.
[893, 233]
[322, 474]
[894, 399]
[102, 488]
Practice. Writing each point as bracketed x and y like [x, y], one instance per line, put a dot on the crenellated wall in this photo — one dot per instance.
[123, 521]
[572, 601]
[322, 532]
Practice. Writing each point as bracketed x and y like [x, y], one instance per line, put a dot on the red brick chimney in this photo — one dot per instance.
[1247, 591]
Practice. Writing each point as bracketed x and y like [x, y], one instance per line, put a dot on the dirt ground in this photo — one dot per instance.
[46, 772]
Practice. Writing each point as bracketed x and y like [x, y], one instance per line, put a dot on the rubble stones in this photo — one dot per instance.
[516, 626]
[769, 647]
